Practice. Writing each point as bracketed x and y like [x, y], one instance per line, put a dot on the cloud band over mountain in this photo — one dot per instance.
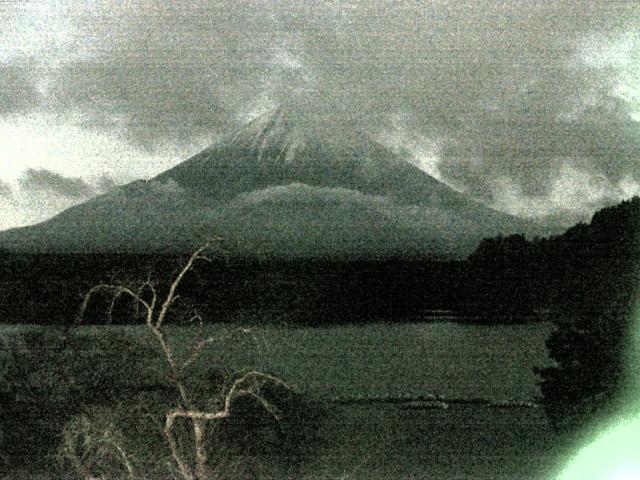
[49, 182]
[39, 194]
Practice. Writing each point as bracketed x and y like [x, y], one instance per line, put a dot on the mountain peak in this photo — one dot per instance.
[285, 125]
[285, 146]
[287, 183]
[279, 130]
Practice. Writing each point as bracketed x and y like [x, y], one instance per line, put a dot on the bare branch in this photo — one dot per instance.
[173, 366]
[200, 346]
[185, 471]
[256, 377]
[117, 291]
[124, 458]
[264, 376]
[249, 384]
[234, 392]
[272, 409]
[197, 418]
[199, 433]
[197, 255]
[114, 299]
[197, 350]
[149, 285]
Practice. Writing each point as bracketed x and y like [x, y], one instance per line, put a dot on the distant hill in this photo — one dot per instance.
[282, 186]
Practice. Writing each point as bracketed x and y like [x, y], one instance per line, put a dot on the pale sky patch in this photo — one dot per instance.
[571, 186]
[60, 144]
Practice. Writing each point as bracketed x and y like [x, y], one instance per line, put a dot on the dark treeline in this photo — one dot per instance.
[507, 279]
[48, 289]
[575, 271]
[586, 282]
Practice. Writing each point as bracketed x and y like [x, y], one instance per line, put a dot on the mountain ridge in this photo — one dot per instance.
[281, 185]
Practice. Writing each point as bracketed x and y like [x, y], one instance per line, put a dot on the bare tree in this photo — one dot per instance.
[155, 311]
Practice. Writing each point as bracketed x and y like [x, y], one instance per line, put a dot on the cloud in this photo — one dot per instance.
[16, 92]
[6, 191]
[571, 186]
[61, 143]
[484, 90]
[319, 217]
[38, 194]
[46, 181]
[167, 187]
[105, 183]
[303, 194]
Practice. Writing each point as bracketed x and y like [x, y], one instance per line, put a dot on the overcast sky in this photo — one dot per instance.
[532, 107]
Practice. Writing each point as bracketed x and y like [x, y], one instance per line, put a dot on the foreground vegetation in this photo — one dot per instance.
[113, 376]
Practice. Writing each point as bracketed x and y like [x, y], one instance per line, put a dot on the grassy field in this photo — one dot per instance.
[378, 439]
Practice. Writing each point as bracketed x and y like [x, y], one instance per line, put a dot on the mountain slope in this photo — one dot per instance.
[285, 186]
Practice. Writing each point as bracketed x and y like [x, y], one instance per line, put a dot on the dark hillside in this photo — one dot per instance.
[512, 276]
[48, 289]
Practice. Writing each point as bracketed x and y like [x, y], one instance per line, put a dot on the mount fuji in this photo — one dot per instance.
[284, 186]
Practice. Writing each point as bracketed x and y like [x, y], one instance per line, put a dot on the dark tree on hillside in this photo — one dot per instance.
[592, 312]
[507, 280]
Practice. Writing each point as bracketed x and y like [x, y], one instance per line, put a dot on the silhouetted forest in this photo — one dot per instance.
[584, 281]
[507, 279]
[48, 289]
[566, 273]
